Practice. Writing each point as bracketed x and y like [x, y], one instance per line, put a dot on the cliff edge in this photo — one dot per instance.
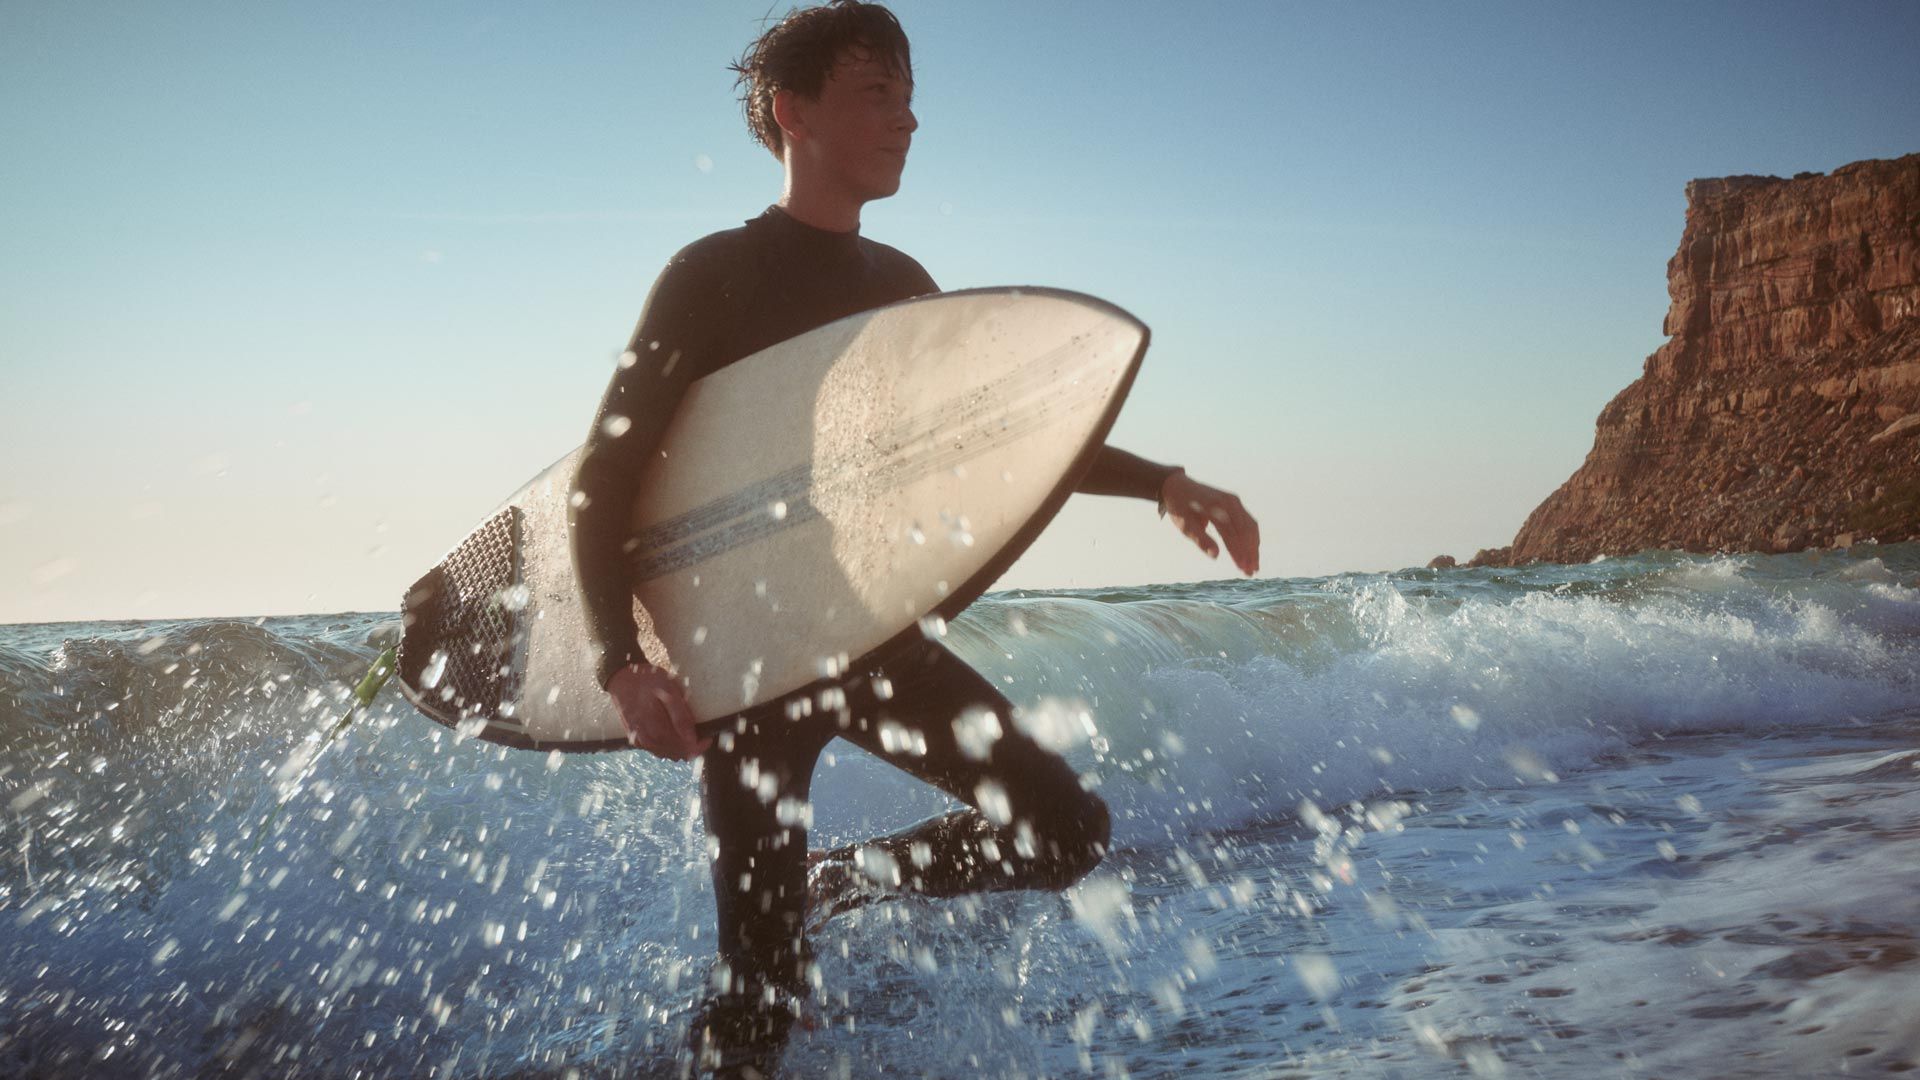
[1784, 410]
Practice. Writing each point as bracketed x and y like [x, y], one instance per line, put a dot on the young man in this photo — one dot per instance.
[828, 91]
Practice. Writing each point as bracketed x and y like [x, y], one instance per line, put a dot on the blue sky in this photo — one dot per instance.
[293, 294]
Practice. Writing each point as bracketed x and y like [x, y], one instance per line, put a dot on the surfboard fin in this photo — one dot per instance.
[363, 694]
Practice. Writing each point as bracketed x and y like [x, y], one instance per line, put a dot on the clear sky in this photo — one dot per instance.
[291, 295]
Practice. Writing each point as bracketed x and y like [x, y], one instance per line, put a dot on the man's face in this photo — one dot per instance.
[856, 134]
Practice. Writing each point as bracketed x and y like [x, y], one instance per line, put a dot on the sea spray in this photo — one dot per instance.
[1474, 746]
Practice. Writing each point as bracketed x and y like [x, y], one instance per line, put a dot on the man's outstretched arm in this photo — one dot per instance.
[1192, 506]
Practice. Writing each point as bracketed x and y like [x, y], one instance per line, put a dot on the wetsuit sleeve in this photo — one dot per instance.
[914, 278]
[667, 351]
[1116, 472]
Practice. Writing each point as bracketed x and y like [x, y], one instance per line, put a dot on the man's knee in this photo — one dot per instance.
[1078, 837]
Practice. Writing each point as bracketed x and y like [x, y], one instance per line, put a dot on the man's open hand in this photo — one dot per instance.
[654, 707]
[1192, 506]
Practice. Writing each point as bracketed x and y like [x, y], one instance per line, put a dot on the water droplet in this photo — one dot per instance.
[977, 730]
[1200, 957]
[616, 425]
[896, 738]
[993, 802]
[778, 510]
[750, 682]
[1056, 723]
[794, 813]
[878, 865]
[436, 667]
[1317, 974]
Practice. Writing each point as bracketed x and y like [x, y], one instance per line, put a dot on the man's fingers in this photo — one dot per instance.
[1236, 529]
[1242, 535]
[1240, 532]
[657, 716]
[652, 731]
[683, 723]
[1224, 513]
[1196, 529]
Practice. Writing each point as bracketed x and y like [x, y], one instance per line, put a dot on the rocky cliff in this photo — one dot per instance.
[1784, 410]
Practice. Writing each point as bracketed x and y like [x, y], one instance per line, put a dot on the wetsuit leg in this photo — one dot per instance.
[754, 784]
[1030, 824]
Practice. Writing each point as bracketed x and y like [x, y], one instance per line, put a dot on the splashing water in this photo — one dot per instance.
[1644, 816]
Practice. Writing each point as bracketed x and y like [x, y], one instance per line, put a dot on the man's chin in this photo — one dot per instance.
[884, 185]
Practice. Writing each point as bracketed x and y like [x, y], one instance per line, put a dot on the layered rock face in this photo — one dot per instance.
[1784, 411]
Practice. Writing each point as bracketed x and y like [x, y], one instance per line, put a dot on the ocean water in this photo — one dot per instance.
[1656, 816]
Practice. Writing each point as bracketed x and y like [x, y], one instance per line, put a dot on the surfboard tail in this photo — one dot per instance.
[469, 599]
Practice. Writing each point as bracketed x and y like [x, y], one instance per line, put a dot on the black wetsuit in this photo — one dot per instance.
[721, 298]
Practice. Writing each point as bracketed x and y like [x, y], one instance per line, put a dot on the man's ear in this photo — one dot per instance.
[789, 116]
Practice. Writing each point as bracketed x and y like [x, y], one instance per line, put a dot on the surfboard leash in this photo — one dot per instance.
[363, 694]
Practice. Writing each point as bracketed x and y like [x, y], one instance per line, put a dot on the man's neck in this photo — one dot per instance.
[832, 212]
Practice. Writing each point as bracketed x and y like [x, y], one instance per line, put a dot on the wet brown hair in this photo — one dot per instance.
[799, 52]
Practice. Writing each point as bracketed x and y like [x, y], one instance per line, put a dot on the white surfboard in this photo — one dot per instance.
[918, 450]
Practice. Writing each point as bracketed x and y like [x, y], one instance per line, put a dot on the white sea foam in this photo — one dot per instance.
[1373, 825]
[1400, 692]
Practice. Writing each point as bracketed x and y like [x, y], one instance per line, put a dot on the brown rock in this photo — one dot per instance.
[1441, 562]
[1899, 427]
[1492, 557]
[1793, 363]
